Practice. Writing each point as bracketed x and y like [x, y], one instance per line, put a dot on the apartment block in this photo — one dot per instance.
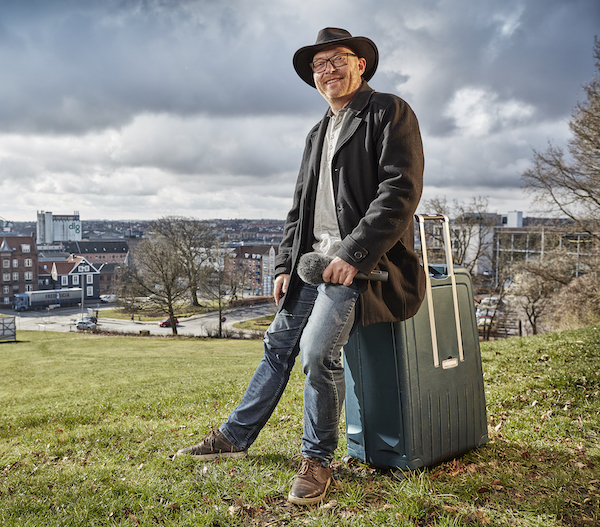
[19, 267]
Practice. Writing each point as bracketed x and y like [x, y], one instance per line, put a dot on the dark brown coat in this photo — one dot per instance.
[377, 172]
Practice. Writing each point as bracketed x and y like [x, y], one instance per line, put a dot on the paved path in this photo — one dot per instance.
[65, 319]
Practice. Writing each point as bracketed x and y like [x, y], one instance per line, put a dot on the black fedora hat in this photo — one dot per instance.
[331, 36]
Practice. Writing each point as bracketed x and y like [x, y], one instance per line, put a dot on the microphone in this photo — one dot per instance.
[312, 265]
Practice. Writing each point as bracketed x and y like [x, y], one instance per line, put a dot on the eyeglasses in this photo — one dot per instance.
[337, 61]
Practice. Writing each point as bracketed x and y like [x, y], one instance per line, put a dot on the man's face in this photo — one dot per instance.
[338, 85]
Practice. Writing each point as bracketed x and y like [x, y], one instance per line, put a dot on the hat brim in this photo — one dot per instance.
[362, 46]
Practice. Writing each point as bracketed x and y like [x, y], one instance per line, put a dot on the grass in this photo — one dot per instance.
[152, 313]
[257, 324]
[88, 425]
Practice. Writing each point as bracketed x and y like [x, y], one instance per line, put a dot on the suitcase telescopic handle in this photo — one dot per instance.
[421, 218]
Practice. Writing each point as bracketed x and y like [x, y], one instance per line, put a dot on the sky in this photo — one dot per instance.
[138, 109]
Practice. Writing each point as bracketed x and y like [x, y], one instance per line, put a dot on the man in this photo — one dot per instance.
[358, 187]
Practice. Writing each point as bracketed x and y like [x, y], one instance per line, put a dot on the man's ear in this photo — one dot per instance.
[362, 65]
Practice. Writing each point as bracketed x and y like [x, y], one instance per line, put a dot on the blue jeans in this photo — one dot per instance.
[316, 322]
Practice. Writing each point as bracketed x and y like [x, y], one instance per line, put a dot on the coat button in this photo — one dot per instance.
[358, 255]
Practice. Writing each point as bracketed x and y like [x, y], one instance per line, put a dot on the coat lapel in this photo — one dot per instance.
[354, 119]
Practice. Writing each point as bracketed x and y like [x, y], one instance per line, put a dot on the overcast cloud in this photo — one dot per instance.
[136, 109]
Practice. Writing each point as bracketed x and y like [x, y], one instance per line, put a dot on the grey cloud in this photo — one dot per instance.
[525, 50]
[94, 67]
[199, 97]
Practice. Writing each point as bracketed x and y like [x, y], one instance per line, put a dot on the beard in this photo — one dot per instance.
[338, 87]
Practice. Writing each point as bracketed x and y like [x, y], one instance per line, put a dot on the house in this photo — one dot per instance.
[75, 271]
[18, 257]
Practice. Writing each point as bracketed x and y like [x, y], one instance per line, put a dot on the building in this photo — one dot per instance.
[489, 244]
[108, 278]
[18, 255]
[58, 228]
[99, 252]
[255, 267]
[542, 239]
[75, 271]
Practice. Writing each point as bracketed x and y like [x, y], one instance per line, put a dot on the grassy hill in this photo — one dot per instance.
[88, 425]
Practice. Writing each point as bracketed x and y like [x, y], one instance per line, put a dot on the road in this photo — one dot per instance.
[65, 319]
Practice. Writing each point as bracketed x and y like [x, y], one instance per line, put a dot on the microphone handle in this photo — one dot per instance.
[376, 276]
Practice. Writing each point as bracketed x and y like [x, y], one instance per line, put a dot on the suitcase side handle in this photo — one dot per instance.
[421, 218]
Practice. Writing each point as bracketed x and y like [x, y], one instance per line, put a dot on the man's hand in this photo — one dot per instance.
[339, 272]
[280, 287]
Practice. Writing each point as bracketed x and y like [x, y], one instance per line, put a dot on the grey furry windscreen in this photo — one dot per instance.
[311, 267]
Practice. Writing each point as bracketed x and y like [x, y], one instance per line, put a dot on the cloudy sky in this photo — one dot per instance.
[136, 109]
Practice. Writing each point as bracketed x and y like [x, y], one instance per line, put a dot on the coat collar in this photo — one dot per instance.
[355, 107]
[352, 121]
[358, 102]
[361, 99]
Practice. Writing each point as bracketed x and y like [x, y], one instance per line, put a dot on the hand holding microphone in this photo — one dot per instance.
[312, 266]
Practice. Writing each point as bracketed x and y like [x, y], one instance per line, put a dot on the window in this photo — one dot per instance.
[15, 277]
[15, 262]
[29, 263]
[6, 290]
[90, 291]
[90, 279]
[75, 279]
[7, 300]
[6, 277]
[64, 280]
[28, 276]
[6, 264]
[25, 248]
[28, 288]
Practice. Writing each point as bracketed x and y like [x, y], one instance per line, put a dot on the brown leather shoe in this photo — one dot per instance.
[213, 446]
[311, 483]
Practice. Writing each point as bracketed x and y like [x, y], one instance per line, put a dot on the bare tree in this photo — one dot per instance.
[159, 274]
[536, 282]
[578, 303]
[192, 240]
[216, 283]
[128, 294]
[570, 185]
[472, 229]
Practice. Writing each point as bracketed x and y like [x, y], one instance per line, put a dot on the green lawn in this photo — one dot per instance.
[88, 425]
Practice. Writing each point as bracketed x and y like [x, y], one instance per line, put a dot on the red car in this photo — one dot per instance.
[166, 322]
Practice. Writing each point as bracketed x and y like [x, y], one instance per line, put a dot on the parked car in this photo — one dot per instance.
[91, 318]
[108, 298]
[491, 305]
[85, 324]
[491, 302]
[485, 321]
[166, 322]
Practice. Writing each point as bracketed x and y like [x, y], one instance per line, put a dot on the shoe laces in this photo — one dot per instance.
[308, 466]
[211, 438]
